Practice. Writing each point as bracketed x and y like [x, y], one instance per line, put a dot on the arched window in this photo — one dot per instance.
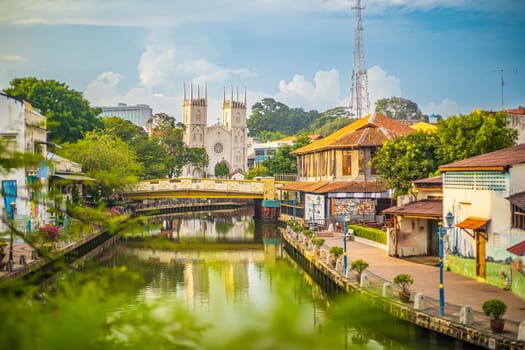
[198, 115]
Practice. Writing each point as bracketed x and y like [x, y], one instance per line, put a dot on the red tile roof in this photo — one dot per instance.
[518, 249]
[371, 130]
[473, 223]
[518, 199]
[497, 159]
[435, 181]
[422, 208]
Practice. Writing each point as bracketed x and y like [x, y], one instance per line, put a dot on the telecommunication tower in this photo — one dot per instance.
[359, 102]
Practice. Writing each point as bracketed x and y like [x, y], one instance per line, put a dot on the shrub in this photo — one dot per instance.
[404, 281]
[494, 308]
[336, 251]
[372, 234]
[318, 242]
[358, 266]
[308, 233]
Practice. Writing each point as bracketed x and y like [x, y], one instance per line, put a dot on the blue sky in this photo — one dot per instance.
[445, 55]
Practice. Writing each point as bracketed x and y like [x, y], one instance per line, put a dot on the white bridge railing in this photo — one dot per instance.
[197, 184]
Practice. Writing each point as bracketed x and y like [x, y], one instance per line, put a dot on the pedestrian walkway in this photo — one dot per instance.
[19, 249]
[459, 290]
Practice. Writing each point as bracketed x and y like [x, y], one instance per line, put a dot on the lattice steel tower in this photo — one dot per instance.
[359, 102]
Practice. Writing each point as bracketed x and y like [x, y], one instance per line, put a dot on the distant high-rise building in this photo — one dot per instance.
[138, 114]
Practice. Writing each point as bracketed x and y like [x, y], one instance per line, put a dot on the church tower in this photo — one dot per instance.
[194, 117]
[234, 120]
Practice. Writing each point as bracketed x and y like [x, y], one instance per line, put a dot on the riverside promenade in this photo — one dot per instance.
[459, 291]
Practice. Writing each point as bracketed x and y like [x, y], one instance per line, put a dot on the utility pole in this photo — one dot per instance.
[359, 101]
[503, 83]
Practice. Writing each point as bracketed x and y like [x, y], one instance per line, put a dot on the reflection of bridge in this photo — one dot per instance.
[260, 188]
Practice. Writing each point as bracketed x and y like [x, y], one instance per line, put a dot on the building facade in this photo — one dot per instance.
[225, 142]
[486, 195]
[138, 114]
[23, 129]
[336, 178]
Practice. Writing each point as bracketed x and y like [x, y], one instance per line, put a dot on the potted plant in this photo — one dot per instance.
[358, 266]
[495, 308]
[318, 243]
[404, 281]
[336, 252]
[3, 253]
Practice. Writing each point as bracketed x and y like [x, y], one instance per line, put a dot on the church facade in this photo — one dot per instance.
[225, 142]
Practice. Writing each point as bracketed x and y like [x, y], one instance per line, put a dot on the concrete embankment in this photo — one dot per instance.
[423, 309]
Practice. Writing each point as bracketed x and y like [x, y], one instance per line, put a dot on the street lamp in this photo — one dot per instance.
[313, 214]
[345, 260]
[449, 219]
[11, 261]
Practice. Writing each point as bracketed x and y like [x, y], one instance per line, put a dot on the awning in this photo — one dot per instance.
[518, 249]
[74, 177]
[473, 223]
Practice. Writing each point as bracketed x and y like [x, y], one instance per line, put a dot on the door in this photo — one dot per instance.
[432, 238]
[480, 254]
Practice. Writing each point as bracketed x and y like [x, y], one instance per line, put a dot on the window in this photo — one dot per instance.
[347, 163]
[518, 217]
[373, 169]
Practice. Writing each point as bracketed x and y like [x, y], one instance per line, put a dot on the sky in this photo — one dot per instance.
[448, 56]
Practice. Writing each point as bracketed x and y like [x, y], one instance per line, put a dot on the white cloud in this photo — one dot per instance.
[445, 108]
[321, 94]
[13, 58]
[381, 85]
[169, 13]
[102, 91]
[156, 67]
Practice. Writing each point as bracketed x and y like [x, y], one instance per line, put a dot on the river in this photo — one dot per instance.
[232, 275]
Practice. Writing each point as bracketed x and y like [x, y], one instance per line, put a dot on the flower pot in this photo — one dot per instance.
[404, 296]
[497, 325]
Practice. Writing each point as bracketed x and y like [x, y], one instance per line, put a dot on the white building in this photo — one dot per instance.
[23, 129]
[224, 142]
[486, 195]
[138, 114]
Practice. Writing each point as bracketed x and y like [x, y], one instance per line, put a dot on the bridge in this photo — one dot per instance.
[259, 188]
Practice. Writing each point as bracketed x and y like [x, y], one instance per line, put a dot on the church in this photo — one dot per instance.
[225, 142]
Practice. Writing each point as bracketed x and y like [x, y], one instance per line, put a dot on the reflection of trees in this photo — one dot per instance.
[223, 226]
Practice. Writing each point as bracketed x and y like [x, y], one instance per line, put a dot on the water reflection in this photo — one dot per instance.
[237, 226]
[251, 294]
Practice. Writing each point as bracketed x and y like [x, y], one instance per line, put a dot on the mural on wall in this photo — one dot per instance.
[502, 269]
[355, 207]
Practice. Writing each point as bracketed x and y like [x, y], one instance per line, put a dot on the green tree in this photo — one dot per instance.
[148, 150]
[398, 108]
[198, 157]
[171, 138]
[69, 116]
[273, 116]
[221, 169]
[106, 158]
[330, 121]
[402, 160]
[479, 132]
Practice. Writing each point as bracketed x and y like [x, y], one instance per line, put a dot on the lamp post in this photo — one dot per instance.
[449, 219]
[11, 261]
[345, 260]
[313, 214]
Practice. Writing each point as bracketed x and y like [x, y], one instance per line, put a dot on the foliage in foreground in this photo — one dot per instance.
[98, 309]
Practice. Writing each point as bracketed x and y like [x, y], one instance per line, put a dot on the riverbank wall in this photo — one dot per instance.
[379, 295]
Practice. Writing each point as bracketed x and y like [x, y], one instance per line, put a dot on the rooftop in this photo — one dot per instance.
[488, 161]
[371, 130]
[425, 207]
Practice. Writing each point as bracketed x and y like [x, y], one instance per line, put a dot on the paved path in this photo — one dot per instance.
[459, 290]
